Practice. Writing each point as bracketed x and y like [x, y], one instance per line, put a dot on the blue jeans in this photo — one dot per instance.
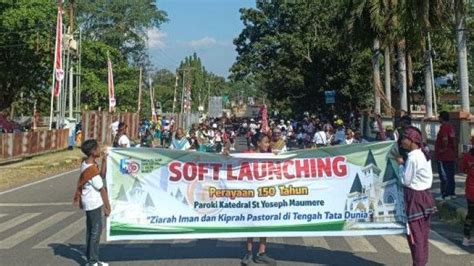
[446, 176]
[93, 231]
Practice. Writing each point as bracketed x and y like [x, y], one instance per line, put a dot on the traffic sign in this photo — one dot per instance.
[330, 97]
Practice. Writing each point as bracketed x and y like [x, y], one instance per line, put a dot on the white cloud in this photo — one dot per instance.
[156, 38]
[204, 42]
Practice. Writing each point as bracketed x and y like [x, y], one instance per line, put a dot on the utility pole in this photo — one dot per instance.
[153, 111]
[71, 80]
[174, 95]
[139, 93]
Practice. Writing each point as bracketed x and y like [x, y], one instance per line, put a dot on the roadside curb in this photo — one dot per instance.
[64, 162]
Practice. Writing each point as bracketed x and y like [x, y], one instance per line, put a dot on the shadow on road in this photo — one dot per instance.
[206, 249]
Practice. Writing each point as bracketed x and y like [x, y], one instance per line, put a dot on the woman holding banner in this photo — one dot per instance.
[261, 142]
[417, 177]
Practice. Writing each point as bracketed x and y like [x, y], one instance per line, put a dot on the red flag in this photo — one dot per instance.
[111, 85]
[58, 61]
[264, 112]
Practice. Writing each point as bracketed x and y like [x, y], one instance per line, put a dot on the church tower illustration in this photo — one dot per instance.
[375, 193]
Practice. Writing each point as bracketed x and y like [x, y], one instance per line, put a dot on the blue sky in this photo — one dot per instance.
[207, 27]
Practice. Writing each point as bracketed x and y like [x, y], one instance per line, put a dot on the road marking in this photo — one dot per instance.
[140, 243]
[231, 242]
[39, 181]
[184, 243]
[280, 241]
[35, 204]
[360, 244]
[16, 221]
[317, 242]
[65, 234]
[445, 245]
[32, 230]
[399, 243]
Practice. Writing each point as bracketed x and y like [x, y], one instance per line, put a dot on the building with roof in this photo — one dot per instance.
[378, 195]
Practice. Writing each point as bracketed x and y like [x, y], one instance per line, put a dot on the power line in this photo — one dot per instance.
[171, 60]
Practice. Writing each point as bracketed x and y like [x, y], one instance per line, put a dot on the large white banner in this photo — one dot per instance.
[164, 194]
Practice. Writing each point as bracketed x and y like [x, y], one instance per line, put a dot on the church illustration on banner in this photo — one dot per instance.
[376, 193]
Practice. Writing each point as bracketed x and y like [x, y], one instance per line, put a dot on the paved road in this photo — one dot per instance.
[38, 226]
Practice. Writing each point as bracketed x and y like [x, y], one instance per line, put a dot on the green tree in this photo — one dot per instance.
[26, 50]
[293, 51]
[121, 24]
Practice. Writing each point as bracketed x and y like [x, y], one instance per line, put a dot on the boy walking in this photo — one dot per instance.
[91, 195]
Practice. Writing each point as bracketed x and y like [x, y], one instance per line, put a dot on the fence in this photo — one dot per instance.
[464, 128]
[25, 144]
[97, 125]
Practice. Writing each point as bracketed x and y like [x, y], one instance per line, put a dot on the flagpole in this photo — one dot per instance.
[174, 95]
[54, 69]
[140, 93]
[110, 84]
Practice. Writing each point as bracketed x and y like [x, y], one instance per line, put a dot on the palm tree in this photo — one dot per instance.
[368, 20]
[429, 15]
[460, 8]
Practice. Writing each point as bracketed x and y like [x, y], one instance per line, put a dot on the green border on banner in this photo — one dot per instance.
[118, 229]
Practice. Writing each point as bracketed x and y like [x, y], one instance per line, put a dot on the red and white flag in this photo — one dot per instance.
[58, 61]
[264, 113]
[111, 85]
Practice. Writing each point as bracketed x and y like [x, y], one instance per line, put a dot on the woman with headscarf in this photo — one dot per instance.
[180, 142]
[417, 177]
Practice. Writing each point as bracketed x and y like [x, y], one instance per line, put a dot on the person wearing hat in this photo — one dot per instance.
[389, 132]
[417, 178]
[340, 135]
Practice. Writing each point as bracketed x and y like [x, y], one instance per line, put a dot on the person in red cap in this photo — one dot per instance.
[467, 166]
[417, 177]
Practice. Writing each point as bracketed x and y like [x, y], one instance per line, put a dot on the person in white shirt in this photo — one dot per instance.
[417, 177]
[320, 138]
[349, 137]
[121, 139]
[92, 197]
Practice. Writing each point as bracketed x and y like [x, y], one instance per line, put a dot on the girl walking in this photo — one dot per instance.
[261, 142]
[417, 177]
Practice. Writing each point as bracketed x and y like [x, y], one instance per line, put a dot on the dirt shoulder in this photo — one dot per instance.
[38, 167]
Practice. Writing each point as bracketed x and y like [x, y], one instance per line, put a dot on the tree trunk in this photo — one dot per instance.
[388, 90]
[428, 91]
[402, 76]
[462, 56]
[376, 76]
[409, 70]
